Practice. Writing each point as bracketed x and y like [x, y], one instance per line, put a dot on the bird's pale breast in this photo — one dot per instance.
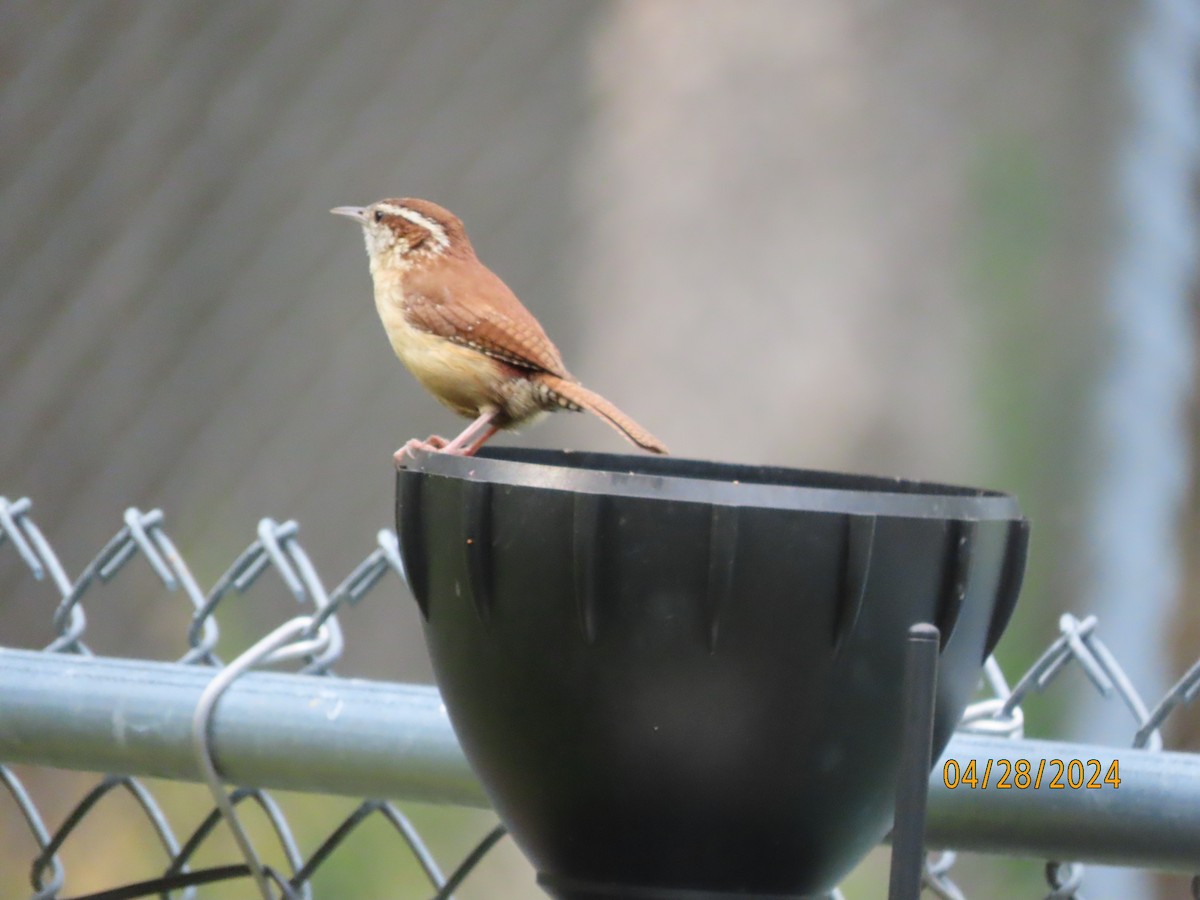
[458, 376]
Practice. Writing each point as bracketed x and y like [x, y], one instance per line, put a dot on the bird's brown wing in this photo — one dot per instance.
[478, 310]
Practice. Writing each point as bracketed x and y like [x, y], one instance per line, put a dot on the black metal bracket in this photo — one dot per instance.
[916, 751]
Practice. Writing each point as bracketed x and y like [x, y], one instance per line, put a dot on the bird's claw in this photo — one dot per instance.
[431, 444]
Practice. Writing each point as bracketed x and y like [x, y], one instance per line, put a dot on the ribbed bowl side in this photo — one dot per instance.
[687, 695]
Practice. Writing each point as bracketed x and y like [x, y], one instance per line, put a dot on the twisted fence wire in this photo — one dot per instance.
[314, 638]
[1000, 715]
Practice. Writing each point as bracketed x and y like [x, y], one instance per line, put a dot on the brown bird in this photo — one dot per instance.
[463, 334]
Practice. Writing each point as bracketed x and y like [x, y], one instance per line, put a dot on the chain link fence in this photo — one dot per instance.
[56, 710]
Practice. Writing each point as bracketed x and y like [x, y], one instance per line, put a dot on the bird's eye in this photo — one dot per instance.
[378, 215]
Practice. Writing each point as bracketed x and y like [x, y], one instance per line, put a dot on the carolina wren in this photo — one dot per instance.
[463, 334]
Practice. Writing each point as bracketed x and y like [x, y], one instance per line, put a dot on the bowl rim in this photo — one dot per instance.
[681, 479]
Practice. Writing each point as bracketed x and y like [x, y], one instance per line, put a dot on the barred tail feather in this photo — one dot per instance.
[575, 394]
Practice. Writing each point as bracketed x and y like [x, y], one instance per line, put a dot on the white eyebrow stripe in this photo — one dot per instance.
[436, 231]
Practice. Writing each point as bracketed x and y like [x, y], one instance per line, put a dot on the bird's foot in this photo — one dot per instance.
[431, 444]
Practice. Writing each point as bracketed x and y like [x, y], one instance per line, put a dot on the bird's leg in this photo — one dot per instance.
[479, 442]
[474, 435]
[468, 443]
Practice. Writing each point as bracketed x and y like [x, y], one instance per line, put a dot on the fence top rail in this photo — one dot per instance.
[365, 738]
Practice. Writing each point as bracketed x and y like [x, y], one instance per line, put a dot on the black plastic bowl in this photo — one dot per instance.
[682, 679]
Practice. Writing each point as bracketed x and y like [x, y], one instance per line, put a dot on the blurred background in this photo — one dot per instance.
[948, 240]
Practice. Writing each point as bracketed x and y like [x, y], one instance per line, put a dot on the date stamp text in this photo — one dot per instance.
[1025, 774]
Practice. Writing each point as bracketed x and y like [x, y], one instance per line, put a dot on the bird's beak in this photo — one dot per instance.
[354, 212]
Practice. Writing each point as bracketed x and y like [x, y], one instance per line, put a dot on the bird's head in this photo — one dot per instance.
[402, 233]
